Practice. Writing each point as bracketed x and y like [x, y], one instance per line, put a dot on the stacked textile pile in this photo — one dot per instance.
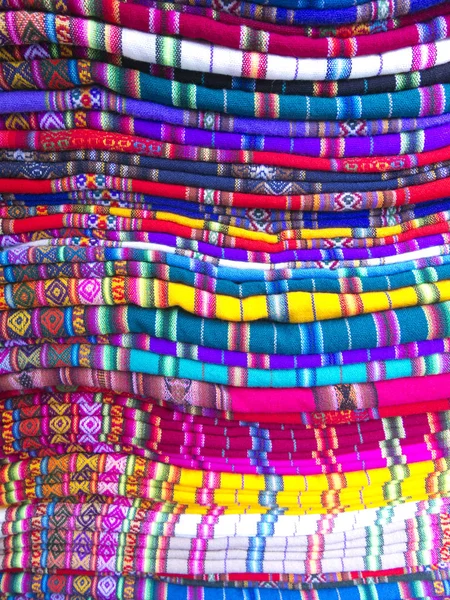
[224, 299]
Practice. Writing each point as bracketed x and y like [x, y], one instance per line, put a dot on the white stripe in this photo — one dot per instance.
[195, 56]
[389, 260]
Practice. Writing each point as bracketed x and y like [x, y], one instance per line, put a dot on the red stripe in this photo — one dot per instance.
[409, 195]
[59, 221]
[203, 28]
[93, 139]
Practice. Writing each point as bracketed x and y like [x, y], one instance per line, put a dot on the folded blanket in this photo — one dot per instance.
[118, 587]
[190, 395]
[71, 73]
[221, 281]
[343, 87]
[93, 140]
[188, 26]
[192, 55]
[57, 170]
[194, 491]
[417, 141]
[122, 514]
[94, 98]
[166, 221]
[140, 554]
[361, 332]
[42, 429]
[370, 16]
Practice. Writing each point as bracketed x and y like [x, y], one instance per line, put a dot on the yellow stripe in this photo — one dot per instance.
[329, 232]
[303, 307]
[240, 494]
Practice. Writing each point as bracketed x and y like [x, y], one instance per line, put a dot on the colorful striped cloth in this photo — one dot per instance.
[343, 87]
[34, 74]
[395, 144]
[224, 300]
[50, 141]
[121, 587]
[95, 98]
[369, 14]
[141, 18]
[433, 190]
[222, 283]
[203, 398]
[407, 325]
[56, 170]
[41, 427]
[16, 28]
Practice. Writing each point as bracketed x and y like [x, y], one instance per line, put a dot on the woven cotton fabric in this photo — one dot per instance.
[224, 300]
[169, 51]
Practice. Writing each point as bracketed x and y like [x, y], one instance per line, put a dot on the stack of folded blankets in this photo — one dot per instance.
[224, 299]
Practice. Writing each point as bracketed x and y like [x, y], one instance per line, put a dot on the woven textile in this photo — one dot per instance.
[42, 428]
[373, 17]
[94, 98]
[193, 395]
[138, 17]
[395, 144]
[217, 280]
[139, 588]
[224, 300]
[119, 14]
[426, 101]
[295, 307]
[262, 220]
[50, 141]
[181, 225]
[322, 337]
[143, 361]
[166, 50]
[343, 87]
[369, 15]
[256, 182]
